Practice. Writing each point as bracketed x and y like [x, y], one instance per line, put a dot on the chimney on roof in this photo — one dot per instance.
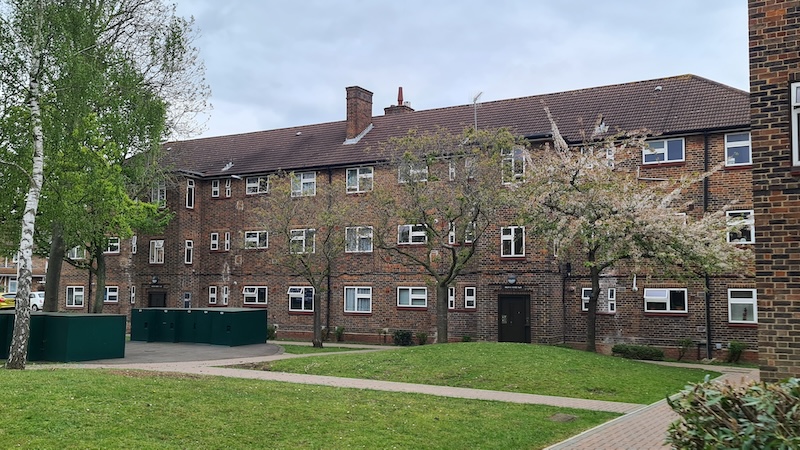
[359, 110]
[402, 107]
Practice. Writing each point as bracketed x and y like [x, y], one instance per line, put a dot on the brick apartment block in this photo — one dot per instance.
[701, 116]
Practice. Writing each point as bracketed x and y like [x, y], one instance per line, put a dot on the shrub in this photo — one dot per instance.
[755, 416]
[272, 332]
[339, 333]
[735, 350]
[402, 337]
[683, 346]
[422, 338]
[466, 338]
[631, 351]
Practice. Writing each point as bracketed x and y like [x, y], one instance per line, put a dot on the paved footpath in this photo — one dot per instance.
[641, 427]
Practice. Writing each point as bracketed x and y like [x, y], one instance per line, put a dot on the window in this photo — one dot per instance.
[359, 180]
[743, 227]
[304, 184]
[215, 188]
[187, 300]
[451, 298]
[254, 185]
[742, 306]
[158, 194]
[228, 188]
[212, 295]
[301, 299]
[451, 172]
[111, 295]
[226, 293]
[586, 294]
[513, 164]
[358, 299]
[74, 296]
[133, 295]
[665, 300]
[12, 284]
[157, 251]
[134, 247]
[470, 297]
[255, 295]
[469, 234]
[76, 253]
[214, 241]
[358, 239]
[227, 241]
[512, 241]
[737, 149]
[188, 251]
[412, 171]
[412, 296]
[668, 150]
[612, 300]
[113, 245]
[256, 239]
[190, 194]
[795, 112]
[411, 234]
[303, 241]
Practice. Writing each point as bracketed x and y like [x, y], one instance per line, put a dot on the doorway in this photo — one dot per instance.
[514, 318]
[157, 299]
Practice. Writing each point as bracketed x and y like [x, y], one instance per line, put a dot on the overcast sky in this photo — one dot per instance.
[280, 63]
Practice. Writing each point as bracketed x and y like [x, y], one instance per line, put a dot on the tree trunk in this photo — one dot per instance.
[100, 273]
[441, 314]
[52, 284]
[591, 317]
[317, 342]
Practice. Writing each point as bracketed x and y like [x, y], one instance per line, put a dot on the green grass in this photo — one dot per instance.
[305, 349]
[535, 369]
[97, 409]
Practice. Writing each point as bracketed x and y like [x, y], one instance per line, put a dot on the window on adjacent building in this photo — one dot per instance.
[133, 294]
[665, 300]
[157, 251]
[255, 295]
[158, 194]
[256, 239]
[742, 306]
[742, 227]
[214, 241]
[451, 298]
[412, 234]
[512, 241]
[301, 298]
[358, 299]
[254, 185]
[667, 150]
[737, 149]
[212, 295]
[215, 188]
[413, 171]
[188, 252]
[513, 164]
[227, 241]
[190, 194]
[358, 239]
[304, 184]
[74, 296]
[111, 295]
[412, 296]
[226, 293]
[113, 245]
[228, 188]
[794, 89]
[303, 241]
[359, 179]
[470, 297]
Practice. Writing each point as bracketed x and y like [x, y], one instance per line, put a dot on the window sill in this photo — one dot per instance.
[666, 314]
[255, 249]
[254, 305]
[358, 313]
[665, 164]
[512, 258]
[411, 244]
[358, 253]
[462, 310]
[301, 313]
[214, 305]
[740, 167]
[412, 308]
[601, 313]
[743, 325]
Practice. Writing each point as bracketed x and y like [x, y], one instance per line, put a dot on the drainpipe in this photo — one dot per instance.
[566, 271]
[706, 151]
[328, 295]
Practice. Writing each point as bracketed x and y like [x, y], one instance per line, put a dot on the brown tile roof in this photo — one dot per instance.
[675, 105]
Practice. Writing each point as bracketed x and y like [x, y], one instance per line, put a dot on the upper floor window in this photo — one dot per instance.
[133, 294]
[513, 164]
[256, 239]
[215, 188]
[742, 227]
[411, 234]
[412, 296]
[254, 185]
[737, 149]
[451, 298]
[304, 184]
[188, 252]
[255, 295]
[665, 300]
[469, 234]
[228, 188]
[742, 306]
[158, 194]
[227, 242]
[358, 239]
[157, 251]
[512, 241]
[214, 241]
[113, 245]
[190, 194]
[359, 179]
[666, 150]
[412, 171]
[301, 298]
[794, 89]
[134, 246]
[76, 253]
[358, 299]
[303, 241]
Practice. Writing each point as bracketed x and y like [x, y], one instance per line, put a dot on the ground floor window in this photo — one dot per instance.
[451, 298]
[74, 296]
[212, 295]
[412, 296]
[112, 294]
[470, 296]
[358, 299]
[255, 295]
[742, 306]
[665, 300]
[301, 298]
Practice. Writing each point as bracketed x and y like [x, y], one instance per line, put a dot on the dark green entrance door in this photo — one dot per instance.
[514, 318]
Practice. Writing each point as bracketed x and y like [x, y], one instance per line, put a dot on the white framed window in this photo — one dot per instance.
[413, 171]
[157, 251]
[412, 234]
[215, 188]
[451, 298]
[666, 150]
[470, 297]
[190, 194]
[133, 294]
[742, 306]
[513, 164]
[74, 296]
[228, 188]
[214, 241]
[113, 245]
[512, 241]
[227, 241]
[256, 239]
[226, 294]
[451, 170]
[359, 179]
[358, 299]
[665, 300]
[253, 185]
[77, 253]
[358, 239]
[303, 241]
[301, 298]
[111, 295]
[737, 149]
[794, 92]
[188, 252]
[469, 234]
[12, 284]
[255, 295]
[586, 294]
[212, 295]
[416, 297]
[612, 300]
[134, 246]
[742, 227]
[158, 194]
[187, 300]
[304, 184]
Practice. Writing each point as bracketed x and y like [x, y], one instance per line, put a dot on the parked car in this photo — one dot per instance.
[7, 300]
[37, 300]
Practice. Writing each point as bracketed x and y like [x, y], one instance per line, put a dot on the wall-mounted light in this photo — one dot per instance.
[512, 279]
[154, 280]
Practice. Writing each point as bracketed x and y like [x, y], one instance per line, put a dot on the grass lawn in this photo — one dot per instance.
[98, 409]
[305, 349]
[534, 369]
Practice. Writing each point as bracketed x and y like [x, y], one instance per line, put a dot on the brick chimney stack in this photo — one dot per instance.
[359, 110]
[402, 106]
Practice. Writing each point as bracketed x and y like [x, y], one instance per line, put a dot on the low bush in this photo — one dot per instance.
[466, 338]
[754, 416]
[272, 332]
[683, 346]
[339, 333]
[402, 337]
[735, 350]
[422, 338]
[631, 351]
